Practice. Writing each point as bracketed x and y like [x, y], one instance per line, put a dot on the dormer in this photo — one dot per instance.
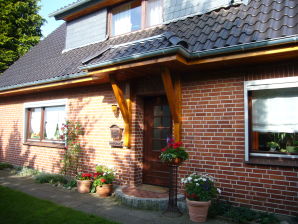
[92, 21]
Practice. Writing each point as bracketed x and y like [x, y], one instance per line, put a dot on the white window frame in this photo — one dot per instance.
[37, 104]
[264, 84]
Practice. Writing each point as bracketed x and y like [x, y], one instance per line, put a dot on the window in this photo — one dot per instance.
[44, 121]
[272, 118]
[135, 15]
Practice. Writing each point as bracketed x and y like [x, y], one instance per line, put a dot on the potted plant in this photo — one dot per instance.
[173, 153]
[84, 181]
[273, 146]
[103, 180]
[200, 190]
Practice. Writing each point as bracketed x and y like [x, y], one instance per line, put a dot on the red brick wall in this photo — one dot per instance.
[89, 105]
[213, 133]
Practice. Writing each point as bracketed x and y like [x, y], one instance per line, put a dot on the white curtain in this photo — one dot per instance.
[275, 114]
[35, 123]
[154, 13]
[121, 20]
[54, 118]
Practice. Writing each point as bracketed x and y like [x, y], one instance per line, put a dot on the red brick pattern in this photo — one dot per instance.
[212, 132]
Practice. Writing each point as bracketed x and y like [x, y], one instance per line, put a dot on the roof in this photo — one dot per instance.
[260, 20]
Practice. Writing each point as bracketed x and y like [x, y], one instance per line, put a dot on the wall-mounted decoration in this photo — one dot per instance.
[116, 135]
[115, 110]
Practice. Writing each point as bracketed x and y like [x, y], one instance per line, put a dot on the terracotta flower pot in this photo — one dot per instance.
[198, 210]
[104, 191]
[84, 186]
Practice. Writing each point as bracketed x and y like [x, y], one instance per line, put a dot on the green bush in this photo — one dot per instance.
[70, 184]
[50, 178]
[240, 214]
[26, 171]
[5, 166]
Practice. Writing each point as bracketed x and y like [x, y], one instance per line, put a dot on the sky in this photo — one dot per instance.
[47, 7]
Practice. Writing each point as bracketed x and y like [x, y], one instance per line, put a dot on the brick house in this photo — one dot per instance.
[221, 76]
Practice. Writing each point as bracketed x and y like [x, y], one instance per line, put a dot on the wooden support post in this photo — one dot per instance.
[125, 109]
[173, 93]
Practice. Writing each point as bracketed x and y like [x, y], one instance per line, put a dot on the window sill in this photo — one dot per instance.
[45, 144]
[282, 160]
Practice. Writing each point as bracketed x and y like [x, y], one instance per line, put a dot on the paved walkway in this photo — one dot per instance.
[91, 203]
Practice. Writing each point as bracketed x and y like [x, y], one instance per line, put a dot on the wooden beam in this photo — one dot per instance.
[170, 92]
[133, 65]
[128, 127]
[173, 100]
[53, 86]
[286, 51]
[178, 95]
[124, 109]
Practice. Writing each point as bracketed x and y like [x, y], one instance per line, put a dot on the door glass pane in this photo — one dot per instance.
[34, 123]
[166, 132]
[166, 110]
[157, 121]
[157, 146]
[156, 133]
[166, 121]
[157, 111]
[54, 118]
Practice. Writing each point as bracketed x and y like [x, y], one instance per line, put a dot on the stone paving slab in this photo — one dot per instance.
[90, 203]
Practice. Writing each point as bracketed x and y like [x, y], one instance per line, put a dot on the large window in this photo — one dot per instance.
[135, 15]
[272, 118]
[44, 121]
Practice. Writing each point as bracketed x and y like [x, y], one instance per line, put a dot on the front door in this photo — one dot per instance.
[158, 126]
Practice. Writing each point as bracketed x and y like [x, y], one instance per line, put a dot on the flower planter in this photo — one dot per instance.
[84, 186]
[198, 210]
[104, 190]
[176, 161]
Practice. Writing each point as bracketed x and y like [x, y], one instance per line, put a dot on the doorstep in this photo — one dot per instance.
[147, 197]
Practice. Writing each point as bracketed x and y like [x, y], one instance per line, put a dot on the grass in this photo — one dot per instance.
[19, 208]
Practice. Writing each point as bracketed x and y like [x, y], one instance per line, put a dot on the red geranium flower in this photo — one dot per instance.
[163, 150]
[102, 180]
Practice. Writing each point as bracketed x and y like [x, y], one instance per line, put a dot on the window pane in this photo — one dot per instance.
[157, 145]
[166, 132]
[126, 18]
[53, 120]
[154, 13]
[275, 110]
[34, 123]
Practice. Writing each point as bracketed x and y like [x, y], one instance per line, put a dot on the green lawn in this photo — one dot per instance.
[19, 208]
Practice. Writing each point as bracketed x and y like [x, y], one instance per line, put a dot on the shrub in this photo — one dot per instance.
[5, 166]
[26, 171]
[50, 178]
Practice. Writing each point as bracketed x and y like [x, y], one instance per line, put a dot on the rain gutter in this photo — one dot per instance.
[197, 55]
[45, 81]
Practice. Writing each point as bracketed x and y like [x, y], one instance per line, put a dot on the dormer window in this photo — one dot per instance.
[135, 15]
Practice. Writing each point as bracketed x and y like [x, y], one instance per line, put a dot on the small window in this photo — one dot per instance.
[272, 119]
[44, 121]
[135, 15]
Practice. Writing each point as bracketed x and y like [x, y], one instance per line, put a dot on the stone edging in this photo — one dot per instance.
[159, 204]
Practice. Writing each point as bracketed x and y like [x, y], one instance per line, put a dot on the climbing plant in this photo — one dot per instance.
[71, 132]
